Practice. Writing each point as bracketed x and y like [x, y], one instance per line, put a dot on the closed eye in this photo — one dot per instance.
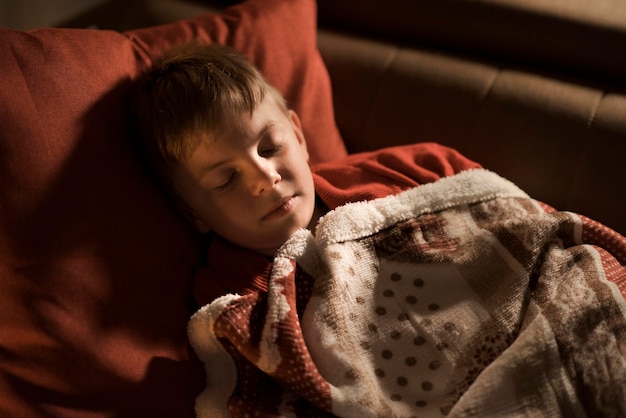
[271, 151]
[231, 179]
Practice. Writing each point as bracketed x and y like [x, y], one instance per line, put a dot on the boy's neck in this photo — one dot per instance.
[320, 210]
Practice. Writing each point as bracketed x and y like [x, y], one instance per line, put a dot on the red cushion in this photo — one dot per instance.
[95, 266]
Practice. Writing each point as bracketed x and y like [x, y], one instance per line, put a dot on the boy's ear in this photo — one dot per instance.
[201, 226]
[297, 128]
[191, 217]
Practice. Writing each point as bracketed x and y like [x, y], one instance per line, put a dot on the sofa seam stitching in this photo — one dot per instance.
[483, 100]
[584, 154]
[383, 75]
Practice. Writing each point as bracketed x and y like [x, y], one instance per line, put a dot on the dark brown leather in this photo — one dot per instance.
[493, 92]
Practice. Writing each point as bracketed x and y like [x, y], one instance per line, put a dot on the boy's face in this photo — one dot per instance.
[252, 184]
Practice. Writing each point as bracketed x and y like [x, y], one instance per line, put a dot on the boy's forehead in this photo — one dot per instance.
[267, 112]
[233, 124]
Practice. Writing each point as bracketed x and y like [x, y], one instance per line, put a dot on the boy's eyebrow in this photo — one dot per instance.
[269, 125]
[214, 166]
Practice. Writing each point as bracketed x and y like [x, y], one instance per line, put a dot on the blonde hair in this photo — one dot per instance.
[190, 95]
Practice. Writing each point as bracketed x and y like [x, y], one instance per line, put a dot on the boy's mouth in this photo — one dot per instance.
[282, 207]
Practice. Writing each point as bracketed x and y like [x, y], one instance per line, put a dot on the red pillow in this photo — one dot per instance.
[95, 267]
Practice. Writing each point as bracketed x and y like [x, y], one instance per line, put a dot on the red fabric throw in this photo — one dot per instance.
[375, 174]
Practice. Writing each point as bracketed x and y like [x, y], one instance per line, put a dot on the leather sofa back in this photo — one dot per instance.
[546, 115]
[577, 38]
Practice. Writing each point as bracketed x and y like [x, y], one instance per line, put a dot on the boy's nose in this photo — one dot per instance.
[266, 177]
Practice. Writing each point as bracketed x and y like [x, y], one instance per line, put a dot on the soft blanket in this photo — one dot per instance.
[462, 297]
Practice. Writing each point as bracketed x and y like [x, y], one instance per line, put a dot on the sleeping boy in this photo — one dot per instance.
[233, 157]
[400, 318]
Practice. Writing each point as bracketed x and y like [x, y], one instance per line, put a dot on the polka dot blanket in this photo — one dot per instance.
[462, 297]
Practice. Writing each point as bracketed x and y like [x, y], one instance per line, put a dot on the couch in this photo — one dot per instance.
[96, 266]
